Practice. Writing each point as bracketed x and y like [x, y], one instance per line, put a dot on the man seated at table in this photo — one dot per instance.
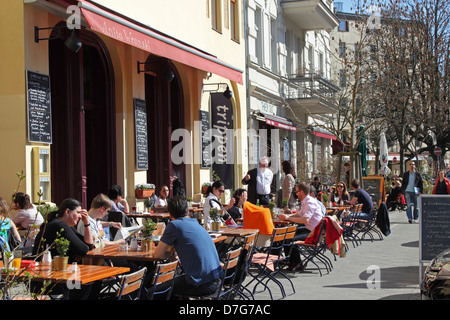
[195, 249]
[309, 215]
[100, 206]
[361, 196]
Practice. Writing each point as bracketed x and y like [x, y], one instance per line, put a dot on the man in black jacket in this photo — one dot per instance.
[412, 188]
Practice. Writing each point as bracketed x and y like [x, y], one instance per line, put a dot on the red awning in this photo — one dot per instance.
[324, 135]
[131, 33]
[278, 122]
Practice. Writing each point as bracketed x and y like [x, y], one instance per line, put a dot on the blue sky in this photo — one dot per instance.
[347, 5]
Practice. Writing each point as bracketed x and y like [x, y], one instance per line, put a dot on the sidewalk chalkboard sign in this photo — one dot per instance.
[39, 108]
[205, 138]
[374, 186]
[434, 225]
[141, 138]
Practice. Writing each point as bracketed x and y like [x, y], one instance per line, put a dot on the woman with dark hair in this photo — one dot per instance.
[340, 195]
[240, 196]
[63, 222]
[288, 184]
[215, 192]
[27, 215]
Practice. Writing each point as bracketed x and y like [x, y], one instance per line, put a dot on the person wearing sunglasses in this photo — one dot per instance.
[340, 195]
[214, 192]
[412, 188]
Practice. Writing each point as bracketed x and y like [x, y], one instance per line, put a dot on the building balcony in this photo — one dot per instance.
[310, 92]
[310, 14]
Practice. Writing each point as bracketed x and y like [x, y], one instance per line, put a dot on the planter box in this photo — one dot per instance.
[144, 193]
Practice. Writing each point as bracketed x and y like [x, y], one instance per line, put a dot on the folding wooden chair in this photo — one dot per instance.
[248, 244]
[267, 263]
[348, 224]
[162, 284]
[131, 285]
[230, 268]
[314, 249]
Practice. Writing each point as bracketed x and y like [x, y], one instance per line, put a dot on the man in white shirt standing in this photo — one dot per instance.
[309, 215]
[259, 181]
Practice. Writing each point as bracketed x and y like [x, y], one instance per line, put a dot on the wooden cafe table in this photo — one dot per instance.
[85, 274]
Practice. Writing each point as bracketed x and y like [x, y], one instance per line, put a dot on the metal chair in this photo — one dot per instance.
[313, 248]
[267, 263]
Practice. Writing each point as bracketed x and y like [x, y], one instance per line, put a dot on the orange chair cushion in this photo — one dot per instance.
[257, 218]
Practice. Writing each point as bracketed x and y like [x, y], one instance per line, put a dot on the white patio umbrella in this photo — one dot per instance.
[384, 156]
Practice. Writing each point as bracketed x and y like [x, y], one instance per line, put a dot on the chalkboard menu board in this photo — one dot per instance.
[141, 135]
[374, 186]
[205, 139]
[39, 108]
[434, 225]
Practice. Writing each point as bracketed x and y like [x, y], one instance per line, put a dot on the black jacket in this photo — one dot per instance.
[251, 190]
[382, 221]
[418, 183]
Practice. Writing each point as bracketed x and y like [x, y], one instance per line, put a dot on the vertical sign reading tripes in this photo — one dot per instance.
[140, 127]
[39, 108]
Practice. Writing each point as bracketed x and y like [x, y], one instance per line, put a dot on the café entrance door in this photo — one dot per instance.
[165, 113]
[83, 154]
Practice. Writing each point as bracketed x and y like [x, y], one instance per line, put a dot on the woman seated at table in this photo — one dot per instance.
[27, 215]
[240, 196]
[63, 222]
[161, 201]
[6, 225]
[340, 195]
[214, 193]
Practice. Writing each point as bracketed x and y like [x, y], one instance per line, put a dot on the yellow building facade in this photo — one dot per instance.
[120, 92]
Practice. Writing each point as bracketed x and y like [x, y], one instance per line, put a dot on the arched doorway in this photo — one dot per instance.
[83, 119]
[165, 113]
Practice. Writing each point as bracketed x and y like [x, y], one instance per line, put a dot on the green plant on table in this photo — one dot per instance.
[62, 245]
[148, 229]
[214, 214]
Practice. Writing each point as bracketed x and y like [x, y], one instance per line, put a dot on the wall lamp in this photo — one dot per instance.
[73, 42]
[227, 93]
[168, 75]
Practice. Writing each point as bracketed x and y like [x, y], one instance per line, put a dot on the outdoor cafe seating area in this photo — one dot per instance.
[254, 255]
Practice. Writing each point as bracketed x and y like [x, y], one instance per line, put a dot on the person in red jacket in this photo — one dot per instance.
[442, 185]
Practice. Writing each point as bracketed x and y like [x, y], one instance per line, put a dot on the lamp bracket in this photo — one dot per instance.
[36, 33]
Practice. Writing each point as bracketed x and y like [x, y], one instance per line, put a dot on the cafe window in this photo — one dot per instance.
[216, 15]
[234, 20]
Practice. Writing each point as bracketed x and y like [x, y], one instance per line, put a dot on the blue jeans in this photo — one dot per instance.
[411, 200]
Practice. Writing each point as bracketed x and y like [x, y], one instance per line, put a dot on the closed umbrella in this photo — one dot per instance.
[384, 156]
[362, 148]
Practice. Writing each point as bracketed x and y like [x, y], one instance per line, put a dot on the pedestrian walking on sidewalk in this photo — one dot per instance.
[412, 188]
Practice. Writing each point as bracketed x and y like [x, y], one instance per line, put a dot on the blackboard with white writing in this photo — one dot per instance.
[205, 137]
[39, 108]
[434, 225]
[141, 135]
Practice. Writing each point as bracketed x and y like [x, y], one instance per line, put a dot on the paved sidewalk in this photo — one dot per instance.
[395, 259]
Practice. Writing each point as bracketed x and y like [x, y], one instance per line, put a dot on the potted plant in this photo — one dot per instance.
[148, 203]
[144, 190]
[147, 231]
[205, 187]
[271, 206]
[189, 200]
[214, 214]
[284, 203]
[60, 261]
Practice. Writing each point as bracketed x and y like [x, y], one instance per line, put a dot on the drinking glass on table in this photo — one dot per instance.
[17, 259]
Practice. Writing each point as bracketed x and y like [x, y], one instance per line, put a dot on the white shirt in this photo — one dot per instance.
[160, 203]
[208, 205]
[311, 209]
[27, 217]
[263, 180]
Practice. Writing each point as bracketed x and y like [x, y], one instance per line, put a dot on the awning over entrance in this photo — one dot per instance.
[276, 121]
[324, 135]
[142, 37]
